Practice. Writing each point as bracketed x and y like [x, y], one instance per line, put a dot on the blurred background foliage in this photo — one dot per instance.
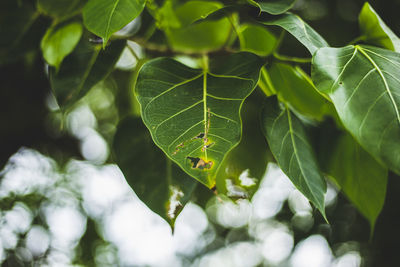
[64, 203]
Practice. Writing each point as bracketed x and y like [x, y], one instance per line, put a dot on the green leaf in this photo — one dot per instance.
[59, 42]
[104, 17]
[60, 8]
[291, 148]
[202, 36]
[158, 182]
[193, 114]
[375, 31]
[363, 84]
[274, 7]
[251, 155]
[256, 39]
[299, 29]
[87, 65]
[360, 176]
[295, 87]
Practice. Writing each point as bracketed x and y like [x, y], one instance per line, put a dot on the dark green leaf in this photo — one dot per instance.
[58, 42]
[296, 88]
[81, 70]
[299, 29]
[251, 155]
[104, 17]
[360, 176]
[375, 31]
[60, 8]
[256, 39]
[158, 182]
[16, 21]
[363, 83]
[274, 7]
[202, 36]
[291, 148]
[193, 114]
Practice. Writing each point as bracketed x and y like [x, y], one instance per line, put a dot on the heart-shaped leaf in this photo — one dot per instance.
[299, 29]
[157, 181]
[104, 17]
[193, 114]
[87, 65]
[359, 175]
[291, 148]
[274, 7]
[364, 85]
[375, 31]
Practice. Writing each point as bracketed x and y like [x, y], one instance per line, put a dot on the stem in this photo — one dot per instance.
[291, 59]
[133, 52]
[356, 40]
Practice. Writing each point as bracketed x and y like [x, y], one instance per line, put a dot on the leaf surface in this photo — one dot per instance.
[360, 176]
[300, 30]
[291, 148]
[256, 39]
[364, 85]
[58, 42]
[60, 8]
[82, 69]
[202, 35]
[158, 182]
[193, 114]
[375, 31]
[274, 7]
[104, 17]
[296, 88]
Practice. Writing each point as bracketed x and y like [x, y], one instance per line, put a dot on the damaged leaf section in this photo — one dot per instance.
[194, 114]
[198, 163]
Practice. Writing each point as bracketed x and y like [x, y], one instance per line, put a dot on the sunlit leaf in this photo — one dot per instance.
[360, 176]
[156, 180]
[58, 42]
[299, 29]
[273, 7]
[60, 8]
[193, 114]
[363, 83]
[202, 36]
[256, 39]
[265, 83]
[104, 17]
[82, 69]
[296, 88]
[291, 148]
[375, 31]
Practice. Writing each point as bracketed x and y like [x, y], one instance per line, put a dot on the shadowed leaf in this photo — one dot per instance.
[291, 148]
[158, 182]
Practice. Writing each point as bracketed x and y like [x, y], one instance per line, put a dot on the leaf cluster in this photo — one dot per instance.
[211, 96]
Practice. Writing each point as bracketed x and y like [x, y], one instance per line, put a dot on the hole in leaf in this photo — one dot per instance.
[198, 163]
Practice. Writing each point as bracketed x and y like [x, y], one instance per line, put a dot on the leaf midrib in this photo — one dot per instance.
[111, 16]
[296, 155]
